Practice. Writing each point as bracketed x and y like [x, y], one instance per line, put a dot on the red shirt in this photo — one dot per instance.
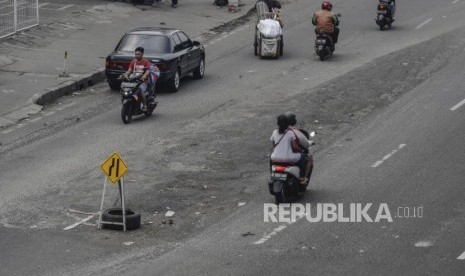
[139, 67]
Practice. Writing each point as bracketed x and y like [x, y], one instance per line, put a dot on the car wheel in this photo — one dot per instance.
[116, 215]
[174, 82]
[200, 70]
[114, 85]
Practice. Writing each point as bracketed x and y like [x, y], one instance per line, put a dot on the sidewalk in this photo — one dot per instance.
[31, 62]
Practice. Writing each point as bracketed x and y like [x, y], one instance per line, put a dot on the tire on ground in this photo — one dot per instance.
[116, 215]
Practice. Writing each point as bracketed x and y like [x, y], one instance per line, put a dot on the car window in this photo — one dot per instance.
[176, 40]
[186, 42]
[150, 43]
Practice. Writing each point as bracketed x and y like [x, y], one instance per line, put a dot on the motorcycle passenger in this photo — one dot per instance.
[285, 142]
[391, 5]
[140, 66]
[302, 135]
[272, 4]
[326, 22]
[293, 121]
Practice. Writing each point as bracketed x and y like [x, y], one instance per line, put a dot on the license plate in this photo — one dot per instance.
[382, 12]
[279, 175]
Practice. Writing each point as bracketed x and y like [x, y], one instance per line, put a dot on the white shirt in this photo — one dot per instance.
[283, 150]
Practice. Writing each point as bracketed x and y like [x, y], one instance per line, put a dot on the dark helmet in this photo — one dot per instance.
[291, 118]
[326, 5]
[283, 123]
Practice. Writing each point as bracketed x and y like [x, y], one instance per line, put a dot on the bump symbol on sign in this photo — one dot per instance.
[114, 167]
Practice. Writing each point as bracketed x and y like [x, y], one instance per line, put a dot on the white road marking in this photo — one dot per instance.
[43, 4]
[461, 257]
[423, 24]
[455, 2]
[424, 244]
[387, 156]
[274, 232]
[455, 107]
[65, 7]
[278, 229]
[78, 223]
[7, 131]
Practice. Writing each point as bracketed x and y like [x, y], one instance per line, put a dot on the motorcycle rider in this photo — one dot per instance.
[272, 4]
[326, 22]
[285, 147]
[391, 4]
[140, 66]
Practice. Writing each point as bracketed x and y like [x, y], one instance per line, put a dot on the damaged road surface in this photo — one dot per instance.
[204, 153]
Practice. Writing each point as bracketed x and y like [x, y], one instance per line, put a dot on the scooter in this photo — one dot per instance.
[131, 99]
[284, 182]
[324, 44]
[383, 18]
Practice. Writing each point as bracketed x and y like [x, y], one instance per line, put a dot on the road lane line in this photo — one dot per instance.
[455, 107]
[461, 257]
[274, 232]
[65, 7]
[423, 24]
[278, 229]
[7, 131]
[455, 2]
[43, 4]
[387, 156]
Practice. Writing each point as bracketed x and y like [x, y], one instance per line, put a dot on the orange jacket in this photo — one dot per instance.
[324, 21]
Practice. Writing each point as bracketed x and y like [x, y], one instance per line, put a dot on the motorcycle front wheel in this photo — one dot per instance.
[126, 112]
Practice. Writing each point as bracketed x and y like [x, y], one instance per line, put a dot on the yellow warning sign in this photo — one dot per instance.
[114, 167]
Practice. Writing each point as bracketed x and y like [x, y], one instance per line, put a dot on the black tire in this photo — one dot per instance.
[322, 56]
[126, 113]
[200, 70]
[255, 49]
[114, 85]
[116, 215]
[284, 195]
[173, 83]
[281, 46]
[382, 27]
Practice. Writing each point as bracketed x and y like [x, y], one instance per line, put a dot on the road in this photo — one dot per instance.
[388, 133]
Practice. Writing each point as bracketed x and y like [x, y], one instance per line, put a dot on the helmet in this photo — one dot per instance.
[326, 5]
[291, 118]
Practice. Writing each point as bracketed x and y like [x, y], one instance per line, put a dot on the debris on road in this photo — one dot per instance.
[248, 234]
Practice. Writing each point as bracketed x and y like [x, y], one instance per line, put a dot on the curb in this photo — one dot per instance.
[68, 87]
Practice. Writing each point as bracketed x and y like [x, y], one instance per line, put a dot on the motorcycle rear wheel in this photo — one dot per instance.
[282, 196]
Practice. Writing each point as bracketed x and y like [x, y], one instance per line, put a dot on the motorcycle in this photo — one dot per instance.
[383, 19]
[131, 99]
[284, 182]
[324, 45]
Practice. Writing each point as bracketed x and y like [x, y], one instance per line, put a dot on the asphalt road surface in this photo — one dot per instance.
[389, 115]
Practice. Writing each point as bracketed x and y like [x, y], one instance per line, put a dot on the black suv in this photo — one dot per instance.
[175, 54]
